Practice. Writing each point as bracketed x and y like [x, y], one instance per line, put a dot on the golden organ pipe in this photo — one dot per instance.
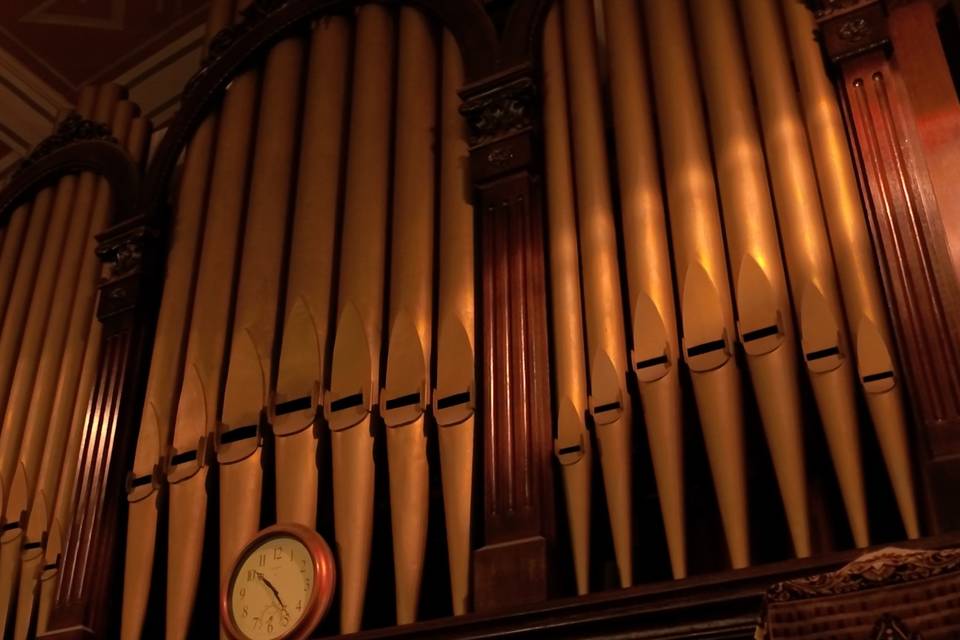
[355, 367]
[166, 364]
[404, 396]
[47, 202]
[853, 253]
[66, 395]
[88, 217]
[807, 250]
[67, 228]
[196, 421]
[13, 239]
[453, 397]
[572, 445]
[606, 340]
[655, 356]
[760, 286]
[250, 360]
[705, 304]
[302, 364]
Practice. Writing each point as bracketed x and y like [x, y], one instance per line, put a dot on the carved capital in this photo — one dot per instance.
[851, 27]
[130, 253]
[500, 111]
[74, 128]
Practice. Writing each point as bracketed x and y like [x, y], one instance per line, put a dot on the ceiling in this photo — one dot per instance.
[51, 48]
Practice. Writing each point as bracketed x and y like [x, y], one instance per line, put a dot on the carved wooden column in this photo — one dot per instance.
[511, 568]
[903, 122]
[90, 568]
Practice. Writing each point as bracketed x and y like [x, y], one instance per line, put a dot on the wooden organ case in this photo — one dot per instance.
[573, 318]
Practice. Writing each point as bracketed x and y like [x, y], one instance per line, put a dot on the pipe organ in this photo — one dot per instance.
[400, 272]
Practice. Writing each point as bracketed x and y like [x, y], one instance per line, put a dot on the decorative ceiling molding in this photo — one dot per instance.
[47, 13]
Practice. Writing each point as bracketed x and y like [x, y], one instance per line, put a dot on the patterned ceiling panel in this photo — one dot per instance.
[69, 43]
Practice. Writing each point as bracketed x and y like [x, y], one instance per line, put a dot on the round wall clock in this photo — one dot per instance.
[280, 587]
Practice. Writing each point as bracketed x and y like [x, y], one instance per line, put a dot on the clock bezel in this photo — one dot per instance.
[324, 579]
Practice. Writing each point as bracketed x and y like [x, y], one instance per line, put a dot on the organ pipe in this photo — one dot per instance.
[404, 396]
[807, 250]
[606, 339]
[700, 263]
[46, 202]
[453, 398]
[40, 351]
[853, 254]
[250, 359]
[760, 285]
[135, 133]
[304, 349]
[655, 355]
[196, 417]
[166, 364]
[13, 239]
[572, 444]
[355, 367]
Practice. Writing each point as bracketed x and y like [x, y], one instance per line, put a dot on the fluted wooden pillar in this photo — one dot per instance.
[511, 568]
[902, 121]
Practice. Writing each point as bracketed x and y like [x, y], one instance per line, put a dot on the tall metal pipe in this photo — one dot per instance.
[135, 134]
[250, 361]
[403, 400]
[807, 250]
[572, 444]
[302, 368]
[453, 398]
[14, 237]
[655, 357]
[606, 339]
[853, 254]
[166, 363]
[196, 418]
[700, 263]
[760, 285]
[355, 367]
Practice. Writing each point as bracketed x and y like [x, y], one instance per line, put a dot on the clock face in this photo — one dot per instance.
[272, 588]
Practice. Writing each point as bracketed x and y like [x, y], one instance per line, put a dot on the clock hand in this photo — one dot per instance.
[272, 588]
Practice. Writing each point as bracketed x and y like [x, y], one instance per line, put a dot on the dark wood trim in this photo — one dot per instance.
[904, 175]
[104, 158]
[722, 605]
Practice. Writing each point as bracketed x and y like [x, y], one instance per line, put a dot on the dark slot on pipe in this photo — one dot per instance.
[346, 402]
[240, 433]
[186, 456]
[403, 401]
[823, 353]
[652, 362]
[139, 481]
[299, 404]
[610, 406]
[453, 400]
[571, 449]
[873, 377]
[764, 332]
[706, 347]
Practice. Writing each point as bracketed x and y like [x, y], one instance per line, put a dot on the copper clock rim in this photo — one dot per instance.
[324, 579]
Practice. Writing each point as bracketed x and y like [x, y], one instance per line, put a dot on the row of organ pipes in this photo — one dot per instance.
[680, 73]
[49, 355]
[368, 156]
[323, 218]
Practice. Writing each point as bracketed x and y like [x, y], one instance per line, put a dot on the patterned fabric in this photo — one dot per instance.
[890, 594]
